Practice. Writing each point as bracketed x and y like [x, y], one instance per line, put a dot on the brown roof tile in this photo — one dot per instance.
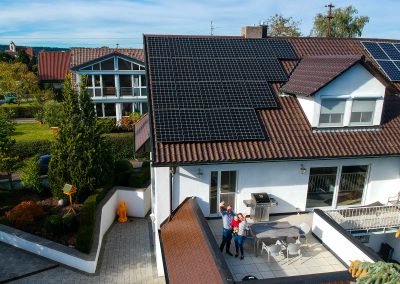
[190, 252]
[290, 134]
[315, 72]
[53, 65]
[81, 55]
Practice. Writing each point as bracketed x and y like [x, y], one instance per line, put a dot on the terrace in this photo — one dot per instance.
[315, 258]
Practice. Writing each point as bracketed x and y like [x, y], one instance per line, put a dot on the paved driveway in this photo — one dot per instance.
[127, 257]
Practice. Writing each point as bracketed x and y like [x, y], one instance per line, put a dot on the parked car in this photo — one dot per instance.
[9, 98]
[44, 164]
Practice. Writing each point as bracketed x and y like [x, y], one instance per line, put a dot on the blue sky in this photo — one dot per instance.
[104, 22]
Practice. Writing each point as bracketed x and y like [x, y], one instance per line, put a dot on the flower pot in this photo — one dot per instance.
[54, 130]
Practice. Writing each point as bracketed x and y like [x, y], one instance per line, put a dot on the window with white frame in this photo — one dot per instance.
[332, 112]
[362, 111]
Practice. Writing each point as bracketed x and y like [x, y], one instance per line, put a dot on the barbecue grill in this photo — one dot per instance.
[260, 204]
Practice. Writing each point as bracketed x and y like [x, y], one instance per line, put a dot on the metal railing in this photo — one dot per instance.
[367, 218]
[321, 183]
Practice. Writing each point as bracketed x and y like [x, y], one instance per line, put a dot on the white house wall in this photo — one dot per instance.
[282, 180]
[357, 82]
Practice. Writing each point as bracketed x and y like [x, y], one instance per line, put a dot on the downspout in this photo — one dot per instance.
[172, 171]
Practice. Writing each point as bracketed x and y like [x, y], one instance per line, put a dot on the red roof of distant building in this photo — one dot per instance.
[30, 51]
[315, 72]
[53, 65]
[142, 131]
[83, 55]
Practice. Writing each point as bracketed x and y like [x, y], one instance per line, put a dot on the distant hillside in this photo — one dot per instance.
[37, 48]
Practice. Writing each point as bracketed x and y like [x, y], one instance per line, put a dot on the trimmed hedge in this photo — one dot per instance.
[54, 225]
[27, 149]
[87, 220]
[122, 145]
[84, 238]
[22, 111]
[134, 177]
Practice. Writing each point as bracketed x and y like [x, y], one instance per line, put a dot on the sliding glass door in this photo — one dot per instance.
[222, 188]
[336, 186]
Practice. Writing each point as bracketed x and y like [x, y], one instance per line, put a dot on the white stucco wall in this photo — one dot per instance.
[357, 82]
[376, 240]
[282, 180]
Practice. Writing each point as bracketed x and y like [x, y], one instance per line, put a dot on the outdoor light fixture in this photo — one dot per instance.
[302, 169]
[199, 172]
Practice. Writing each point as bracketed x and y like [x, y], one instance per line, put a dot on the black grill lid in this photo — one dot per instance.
[261, 197]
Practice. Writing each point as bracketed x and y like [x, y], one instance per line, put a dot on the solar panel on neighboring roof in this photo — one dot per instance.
[387, 55]
[207, 89]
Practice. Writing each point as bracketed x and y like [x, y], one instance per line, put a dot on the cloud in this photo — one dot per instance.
[106, 22]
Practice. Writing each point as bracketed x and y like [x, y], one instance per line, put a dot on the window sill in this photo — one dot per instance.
[347, 129]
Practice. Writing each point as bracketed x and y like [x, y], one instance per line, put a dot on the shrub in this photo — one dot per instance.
[70, 223]
[22, 111]
[53, 225]
[123, 165]
[30, 176]
[126, 124]
[52, 113]
[24, 213]
[27, 149]
[139, 179]
[106, 125]
[121, 144]
[84, 237]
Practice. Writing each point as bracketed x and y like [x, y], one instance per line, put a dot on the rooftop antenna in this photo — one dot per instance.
[212, 28]
[329, 17]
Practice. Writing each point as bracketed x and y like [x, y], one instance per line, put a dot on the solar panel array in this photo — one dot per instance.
[208, 89]
[387, 55]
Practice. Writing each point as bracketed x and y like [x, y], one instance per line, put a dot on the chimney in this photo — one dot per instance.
[255, 31]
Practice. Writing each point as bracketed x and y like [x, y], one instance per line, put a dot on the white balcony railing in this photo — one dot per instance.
[367, 218]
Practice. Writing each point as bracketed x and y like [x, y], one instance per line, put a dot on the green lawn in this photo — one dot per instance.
[32, 131]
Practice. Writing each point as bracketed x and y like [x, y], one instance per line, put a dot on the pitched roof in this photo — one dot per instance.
[190, 252]
[290, 136]
[80, 55]
[53, 65]
[142, 131]
[315, 72]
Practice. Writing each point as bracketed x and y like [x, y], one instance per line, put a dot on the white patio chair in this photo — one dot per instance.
[304, 231]
[293, 249]
[274, 250]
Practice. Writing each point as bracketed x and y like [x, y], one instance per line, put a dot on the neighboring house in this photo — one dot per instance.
[53, 66]
[314, 122]
[142, 135]
[13, 50]
[115, 78]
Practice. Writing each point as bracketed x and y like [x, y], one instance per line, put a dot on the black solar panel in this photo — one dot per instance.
[207, 89]
[387, 56]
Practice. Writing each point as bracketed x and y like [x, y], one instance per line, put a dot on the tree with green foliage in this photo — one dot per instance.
[281, 26]
[8, 163]
[5, 57]
[23, 57]
[80, 155]
[344, 23]
[15, 78]
[30, 176]
[374, 273]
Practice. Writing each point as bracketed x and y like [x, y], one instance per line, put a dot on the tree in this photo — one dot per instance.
[344, 23]
[378, 272]
[30, 176]
[17, 79]
[23, 57]
[5, 57]
[280, 26]
[80, 155]
[8, 164]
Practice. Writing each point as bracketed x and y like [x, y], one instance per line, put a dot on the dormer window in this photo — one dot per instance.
[362, 112]
[332, 112]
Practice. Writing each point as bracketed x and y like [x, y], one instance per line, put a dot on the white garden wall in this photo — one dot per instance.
[337, 242]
